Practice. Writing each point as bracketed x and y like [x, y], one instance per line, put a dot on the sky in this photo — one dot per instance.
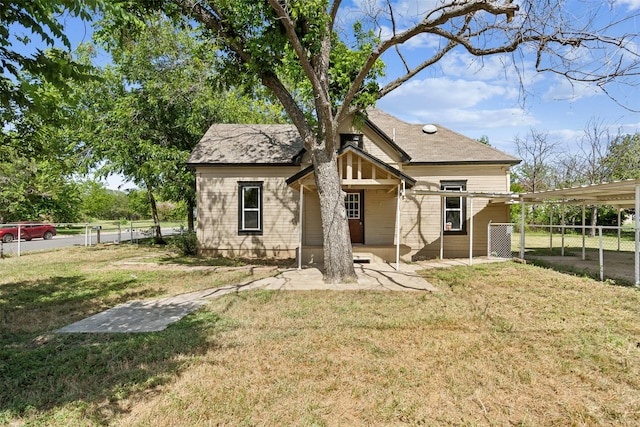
[486, 97]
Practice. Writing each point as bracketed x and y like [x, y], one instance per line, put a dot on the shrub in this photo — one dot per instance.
[186, 242]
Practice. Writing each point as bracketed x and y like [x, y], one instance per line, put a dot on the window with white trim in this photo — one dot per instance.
[455, 208]
[352, 205]
[250, 208]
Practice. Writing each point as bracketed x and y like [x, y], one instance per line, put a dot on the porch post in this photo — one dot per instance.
[442, 222]
[300, 227]
[522, 220]
[398, 230]
[471, 230]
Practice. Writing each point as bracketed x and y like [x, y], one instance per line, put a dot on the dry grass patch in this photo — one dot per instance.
[502, 344]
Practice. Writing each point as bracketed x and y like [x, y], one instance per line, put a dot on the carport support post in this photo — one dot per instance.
[637, 226]
[600, 254]
[551, 228]
[562, 228]
[619, 227]
[584, 219]
[522, 220]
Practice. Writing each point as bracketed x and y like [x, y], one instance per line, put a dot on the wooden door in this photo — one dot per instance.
[354, 204]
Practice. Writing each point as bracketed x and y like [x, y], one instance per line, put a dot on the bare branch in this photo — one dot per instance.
[428, 25]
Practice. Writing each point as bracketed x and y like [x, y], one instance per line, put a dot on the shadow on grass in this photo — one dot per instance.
[559, 263]
[227, 262]
[42, 305]
[89, 373]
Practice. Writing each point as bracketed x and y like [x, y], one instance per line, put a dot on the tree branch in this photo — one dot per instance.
[427, 25]
[209, 19]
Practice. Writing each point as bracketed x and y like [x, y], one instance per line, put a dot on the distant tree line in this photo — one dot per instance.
[601, 154]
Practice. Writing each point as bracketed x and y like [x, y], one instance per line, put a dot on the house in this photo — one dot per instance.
[412, 191]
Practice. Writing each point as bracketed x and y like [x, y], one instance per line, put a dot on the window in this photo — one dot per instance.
[250, 208]
[352, 205]
[455, 208]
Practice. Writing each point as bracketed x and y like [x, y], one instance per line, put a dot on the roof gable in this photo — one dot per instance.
[348, 148]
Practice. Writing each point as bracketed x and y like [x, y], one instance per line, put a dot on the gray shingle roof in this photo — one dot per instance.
[235, 144]
[444, 146]
[247, 144]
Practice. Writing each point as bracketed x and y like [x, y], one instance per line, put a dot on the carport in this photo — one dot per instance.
[619, 194]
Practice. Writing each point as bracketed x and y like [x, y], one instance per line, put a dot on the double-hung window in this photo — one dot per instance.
[455, 208]
[250, 208]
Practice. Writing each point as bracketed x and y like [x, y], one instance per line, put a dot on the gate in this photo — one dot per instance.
[499, 240]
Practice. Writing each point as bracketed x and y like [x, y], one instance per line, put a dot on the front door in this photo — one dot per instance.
[354, 204]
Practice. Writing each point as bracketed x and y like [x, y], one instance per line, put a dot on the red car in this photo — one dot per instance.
[28, 231]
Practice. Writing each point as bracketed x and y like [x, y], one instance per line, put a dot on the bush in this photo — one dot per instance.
[186, 242]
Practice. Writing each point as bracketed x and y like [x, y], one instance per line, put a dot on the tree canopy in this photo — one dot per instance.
[277, 42]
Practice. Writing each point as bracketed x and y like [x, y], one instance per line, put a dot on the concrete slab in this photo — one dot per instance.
[377, 277]
[156, 315]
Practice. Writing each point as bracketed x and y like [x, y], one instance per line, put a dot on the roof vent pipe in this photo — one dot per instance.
[429, 129]
[393, 135]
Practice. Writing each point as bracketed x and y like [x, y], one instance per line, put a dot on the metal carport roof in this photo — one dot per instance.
[621, 194]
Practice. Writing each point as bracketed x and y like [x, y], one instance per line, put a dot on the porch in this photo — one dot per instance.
[374, 254]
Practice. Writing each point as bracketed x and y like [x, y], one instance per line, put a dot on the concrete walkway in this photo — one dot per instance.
[156, 315]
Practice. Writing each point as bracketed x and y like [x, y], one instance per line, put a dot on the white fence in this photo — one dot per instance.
[601, 251]
[81, 234]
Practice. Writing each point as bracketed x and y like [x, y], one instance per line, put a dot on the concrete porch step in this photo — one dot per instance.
[362, 258]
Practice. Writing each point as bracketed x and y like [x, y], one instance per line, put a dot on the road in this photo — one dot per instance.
[62, 241]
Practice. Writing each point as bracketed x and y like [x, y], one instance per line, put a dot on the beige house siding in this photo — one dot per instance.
[217, 189]
[422, 214]
[372, 144]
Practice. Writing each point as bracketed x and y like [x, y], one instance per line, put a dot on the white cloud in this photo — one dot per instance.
[443, 93]
[631, 4]
[566, 90]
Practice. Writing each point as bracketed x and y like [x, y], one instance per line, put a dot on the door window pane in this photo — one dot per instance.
[352, 205]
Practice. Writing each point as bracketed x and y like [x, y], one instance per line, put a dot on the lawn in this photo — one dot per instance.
[500, 344]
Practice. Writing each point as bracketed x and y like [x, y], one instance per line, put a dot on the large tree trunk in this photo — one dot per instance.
[338, 255]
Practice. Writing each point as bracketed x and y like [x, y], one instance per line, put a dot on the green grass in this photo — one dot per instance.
[499, 344]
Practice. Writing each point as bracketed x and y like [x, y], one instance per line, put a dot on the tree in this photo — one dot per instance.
[536, 152]
[590, 164]
[37, 161]
[55, 65]
[623, 157]
[161, 101]
[293, 47]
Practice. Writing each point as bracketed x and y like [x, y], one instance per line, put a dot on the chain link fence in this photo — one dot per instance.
[601, 251]
[15, 238]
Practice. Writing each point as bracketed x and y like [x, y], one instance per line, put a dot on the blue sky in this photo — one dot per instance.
[483, 97]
